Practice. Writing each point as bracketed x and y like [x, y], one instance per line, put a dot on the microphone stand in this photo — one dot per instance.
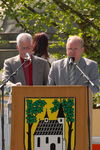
[83, 74]
[2, 101]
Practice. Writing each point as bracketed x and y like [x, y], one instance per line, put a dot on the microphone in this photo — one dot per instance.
[71, 60]
[27, 57]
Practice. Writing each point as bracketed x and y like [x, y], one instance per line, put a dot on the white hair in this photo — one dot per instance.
[23, 37]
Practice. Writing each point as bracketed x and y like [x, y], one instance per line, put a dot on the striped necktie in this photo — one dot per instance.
[72, 74]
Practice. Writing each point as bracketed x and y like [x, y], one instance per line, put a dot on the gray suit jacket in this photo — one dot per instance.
[58, 74]
[40, 70]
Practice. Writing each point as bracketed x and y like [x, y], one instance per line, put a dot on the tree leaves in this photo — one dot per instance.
[34, 108]
[68, 108]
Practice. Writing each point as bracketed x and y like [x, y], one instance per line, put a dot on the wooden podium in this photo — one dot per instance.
[62, 96]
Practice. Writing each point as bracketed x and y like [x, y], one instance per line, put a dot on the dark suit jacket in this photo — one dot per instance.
[40, 70]
[58, 74]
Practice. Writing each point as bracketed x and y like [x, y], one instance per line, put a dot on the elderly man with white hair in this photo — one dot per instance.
[34, 71]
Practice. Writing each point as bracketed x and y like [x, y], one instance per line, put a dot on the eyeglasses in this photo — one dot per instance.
[26, 48]
[72, 49]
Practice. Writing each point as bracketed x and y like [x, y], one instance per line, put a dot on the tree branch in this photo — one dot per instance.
[17, 20]
[33, 11]
[65, 7]
[30, 8]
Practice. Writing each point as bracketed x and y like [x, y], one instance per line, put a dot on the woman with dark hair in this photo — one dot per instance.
[40, 46]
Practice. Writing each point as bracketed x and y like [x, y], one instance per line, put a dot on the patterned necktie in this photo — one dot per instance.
[71, 74]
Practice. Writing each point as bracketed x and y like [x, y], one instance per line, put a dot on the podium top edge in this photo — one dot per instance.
[51, 86]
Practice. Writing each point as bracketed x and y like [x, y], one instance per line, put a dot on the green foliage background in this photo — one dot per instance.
[60, 19]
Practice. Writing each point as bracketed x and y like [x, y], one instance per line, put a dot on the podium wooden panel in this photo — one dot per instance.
[96, 122]
[82, 95]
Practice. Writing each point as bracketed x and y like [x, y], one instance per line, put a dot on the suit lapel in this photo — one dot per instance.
[82, 66]
[20, 72]
[64, 71]
[36, 70]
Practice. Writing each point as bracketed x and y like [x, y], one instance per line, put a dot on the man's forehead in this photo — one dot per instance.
[73, 42]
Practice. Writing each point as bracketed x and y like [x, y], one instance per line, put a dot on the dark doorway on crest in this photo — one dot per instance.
[52, 146]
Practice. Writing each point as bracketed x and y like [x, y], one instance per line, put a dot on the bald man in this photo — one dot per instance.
[60, 70]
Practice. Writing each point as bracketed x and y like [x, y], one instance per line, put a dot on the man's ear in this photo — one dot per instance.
[83, 49]
[17, 47]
